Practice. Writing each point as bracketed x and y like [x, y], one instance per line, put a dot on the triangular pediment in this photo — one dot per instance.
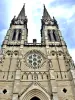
[33, 87]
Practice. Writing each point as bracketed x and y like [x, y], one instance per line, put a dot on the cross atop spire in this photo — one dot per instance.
[22, 13]
[46, 15]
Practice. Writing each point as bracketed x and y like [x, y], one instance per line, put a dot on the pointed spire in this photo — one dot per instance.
[22, 13]
[46, 15]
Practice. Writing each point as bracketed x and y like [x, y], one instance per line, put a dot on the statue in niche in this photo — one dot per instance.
[18, 64]
[55, 22]
[15, 21]
[50, 64]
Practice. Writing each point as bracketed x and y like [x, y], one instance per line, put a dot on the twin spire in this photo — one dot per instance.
[22, 19]
[45, 13]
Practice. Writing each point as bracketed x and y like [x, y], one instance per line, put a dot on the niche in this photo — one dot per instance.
[24, 76]
[44, 76]
[40, 76]
[29, 76]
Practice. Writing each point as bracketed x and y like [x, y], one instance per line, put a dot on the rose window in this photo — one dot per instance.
[35, 60]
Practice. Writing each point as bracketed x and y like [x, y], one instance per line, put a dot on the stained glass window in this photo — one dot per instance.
[35, 60]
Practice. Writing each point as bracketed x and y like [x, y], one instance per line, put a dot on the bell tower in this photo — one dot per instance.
[18, 32]
[50, 32]
[58, 57]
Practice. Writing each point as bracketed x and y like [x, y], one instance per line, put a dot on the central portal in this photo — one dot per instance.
[35, 98]
[35, 94]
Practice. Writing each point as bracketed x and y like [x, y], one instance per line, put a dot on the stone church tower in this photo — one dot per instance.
[36, 71]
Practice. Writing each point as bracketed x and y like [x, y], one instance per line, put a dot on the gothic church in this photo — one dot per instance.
[36, 71]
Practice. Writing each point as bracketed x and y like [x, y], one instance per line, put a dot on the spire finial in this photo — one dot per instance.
[24, 5]
[46, 14]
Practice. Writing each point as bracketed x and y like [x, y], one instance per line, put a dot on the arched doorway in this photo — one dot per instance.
[35, 98]
[35, 94]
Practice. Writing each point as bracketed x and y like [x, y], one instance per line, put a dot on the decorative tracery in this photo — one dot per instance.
[34, 59]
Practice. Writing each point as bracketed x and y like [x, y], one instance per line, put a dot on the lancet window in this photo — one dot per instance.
[14, 35]
[19, 35]
[52, 36]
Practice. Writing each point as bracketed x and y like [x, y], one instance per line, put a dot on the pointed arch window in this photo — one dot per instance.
[54, 35]
[14, 35]
[49, 35]
[19, 35]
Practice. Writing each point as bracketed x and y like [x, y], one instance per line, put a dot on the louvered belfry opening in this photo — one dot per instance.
[19, 35]
[14, 35]
[49, 36]
[52, 35]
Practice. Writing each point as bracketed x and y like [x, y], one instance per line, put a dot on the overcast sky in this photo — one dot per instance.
[62, 10]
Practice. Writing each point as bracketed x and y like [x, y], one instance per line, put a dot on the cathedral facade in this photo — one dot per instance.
[36, 71]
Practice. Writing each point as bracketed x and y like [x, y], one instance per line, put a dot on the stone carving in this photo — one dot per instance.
[36, 76]
[18, 63]
[55, 22]
[16, 21]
